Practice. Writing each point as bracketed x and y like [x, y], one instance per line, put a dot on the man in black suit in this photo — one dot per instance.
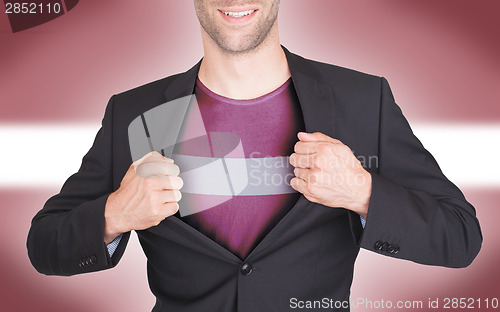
[308, 249]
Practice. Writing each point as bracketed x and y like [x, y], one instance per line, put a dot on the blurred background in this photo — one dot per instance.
[441, 58]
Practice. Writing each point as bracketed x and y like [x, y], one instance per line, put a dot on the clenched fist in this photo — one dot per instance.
[327, 172]
[148, 193]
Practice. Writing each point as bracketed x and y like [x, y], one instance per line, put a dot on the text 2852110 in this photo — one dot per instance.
[33, 8]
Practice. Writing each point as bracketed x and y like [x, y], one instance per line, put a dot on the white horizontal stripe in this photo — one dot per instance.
[42, 155]
[466, 153]
[46, 155]
[235, 176]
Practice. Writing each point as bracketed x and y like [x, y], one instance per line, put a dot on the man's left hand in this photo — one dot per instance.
[327, 172]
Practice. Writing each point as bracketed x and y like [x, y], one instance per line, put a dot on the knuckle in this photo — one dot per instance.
[322, 148]
[158, 219]
[345, 150]
[317, 161]
[172, 169]
[177, 170]
[314, 177]
[148, 184]
[311, 190]
[177, 195]
[302, 161]
[155, 210]
[152, 198]
[148, 181]
[167, 196]
[311, 199]
[177, 183]
[167, 183]
[296, 147]
[172, 208]
[149, 198]
[144, 166]
[326, 149]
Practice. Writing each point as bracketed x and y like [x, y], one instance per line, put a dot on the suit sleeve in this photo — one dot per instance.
[415, 212]
[67, 236]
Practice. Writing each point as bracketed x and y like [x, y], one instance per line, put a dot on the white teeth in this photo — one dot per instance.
[239, 14]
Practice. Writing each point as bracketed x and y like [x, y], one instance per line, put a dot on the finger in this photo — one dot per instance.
[170, 196]
[172, 183]
[132, 170]
[316, 137]
[303, 147]
[311, 176]
[301, 186]
[171, 208]
[172, 169]
[302, 173]
[143, 158]
[311, 147]
[157, 169]
[302, 161]
[156, 157]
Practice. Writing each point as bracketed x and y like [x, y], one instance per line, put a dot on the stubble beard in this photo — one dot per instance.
[247, 44]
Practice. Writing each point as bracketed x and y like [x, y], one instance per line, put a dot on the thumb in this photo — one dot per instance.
[151, 157]
[316, 137]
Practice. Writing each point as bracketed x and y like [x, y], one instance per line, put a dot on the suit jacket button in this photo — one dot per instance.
[83, 263]
[246, 269]
[93, 260]
[390, 249]
[384, 246]
[378, 245]
[396, 249]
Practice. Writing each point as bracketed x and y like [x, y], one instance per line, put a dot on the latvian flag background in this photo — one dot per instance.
[441, 57]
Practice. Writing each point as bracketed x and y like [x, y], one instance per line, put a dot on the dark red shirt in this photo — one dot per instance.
[267, 127]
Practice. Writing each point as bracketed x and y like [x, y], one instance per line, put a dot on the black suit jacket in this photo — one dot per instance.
[415, 213]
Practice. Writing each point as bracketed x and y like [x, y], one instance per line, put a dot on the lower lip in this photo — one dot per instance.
[237, 20]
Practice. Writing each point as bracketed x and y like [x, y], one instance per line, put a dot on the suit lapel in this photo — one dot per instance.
[316, 98]
[183, 84]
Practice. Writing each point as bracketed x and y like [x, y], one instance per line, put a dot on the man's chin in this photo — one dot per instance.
[239, 46]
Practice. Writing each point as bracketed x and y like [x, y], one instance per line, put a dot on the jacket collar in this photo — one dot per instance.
[315, 96]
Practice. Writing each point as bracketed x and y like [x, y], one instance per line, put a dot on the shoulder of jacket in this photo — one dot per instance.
[336, 73]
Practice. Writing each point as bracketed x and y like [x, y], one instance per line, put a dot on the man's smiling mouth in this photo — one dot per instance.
[239, 14]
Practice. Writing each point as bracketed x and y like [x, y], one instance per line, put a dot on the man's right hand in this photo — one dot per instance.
[148, 193]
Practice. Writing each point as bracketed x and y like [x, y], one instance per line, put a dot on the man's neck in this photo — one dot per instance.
[246, 75]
